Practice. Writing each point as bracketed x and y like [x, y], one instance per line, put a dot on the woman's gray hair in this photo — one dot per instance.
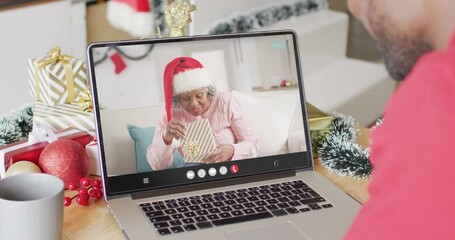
[211, 91]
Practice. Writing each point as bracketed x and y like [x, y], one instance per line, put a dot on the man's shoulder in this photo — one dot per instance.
[431, 83]
[433, 70]
[438, 60]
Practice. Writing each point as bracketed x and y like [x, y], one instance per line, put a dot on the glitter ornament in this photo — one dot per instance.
[23, 166]
[66, 159]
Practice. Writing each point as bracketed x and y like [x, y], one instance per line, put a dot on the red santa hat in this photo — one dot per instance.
[183, 74]
[132, 16]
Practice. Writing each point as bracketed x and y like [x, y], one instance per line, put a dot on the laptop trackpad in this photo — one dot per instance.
[284, 230]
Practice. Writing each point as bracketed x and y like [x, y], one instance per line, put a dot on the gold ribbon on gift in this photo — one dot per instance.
[84, 100]
[318, 119]
[54, 56]
[191, 148]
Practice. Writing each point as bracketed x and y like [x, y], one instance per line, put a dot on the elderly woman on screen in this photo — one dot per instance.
[190, 96]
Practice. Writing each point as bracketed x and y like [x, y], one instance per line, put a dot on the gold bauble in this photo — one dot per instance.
[23, 166]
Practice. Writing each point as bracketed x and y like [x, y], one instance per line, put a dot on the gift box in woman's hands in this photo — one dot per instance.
[199, 141]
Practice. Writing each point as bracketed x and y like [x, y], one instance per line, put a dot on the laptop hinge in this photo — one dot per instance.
[210, 185]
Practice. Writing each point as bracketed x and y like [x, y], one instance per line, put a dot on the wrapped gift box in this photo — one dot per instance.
[22, 150]
[92, 152]
[62, 117]
[320, 124]
[56, 78]
[199, 141]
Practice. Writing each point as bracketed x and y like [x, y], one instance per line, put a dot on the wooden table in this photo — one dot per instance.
[357, 188]
[96, 222]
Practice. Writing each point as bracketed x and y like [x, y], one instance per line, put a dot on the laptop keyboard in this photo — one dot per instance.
[233, 206]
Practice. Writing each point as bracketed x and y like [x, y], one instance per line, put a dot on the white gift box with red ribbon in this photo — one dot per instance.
[31, 148]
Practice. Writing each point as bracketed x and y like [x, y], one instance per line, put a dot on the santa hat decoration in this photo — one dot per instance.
[183, 74]
[132, 16]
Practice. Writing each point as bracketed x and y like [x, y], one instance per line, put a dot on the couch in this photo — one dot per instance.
[278, 127]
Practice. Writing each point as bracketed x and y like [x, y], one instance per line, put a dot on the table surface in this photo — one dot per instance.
[96, 222]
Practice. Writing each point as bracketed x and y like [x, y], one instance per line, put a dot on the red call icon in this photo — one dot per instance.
[234, 169]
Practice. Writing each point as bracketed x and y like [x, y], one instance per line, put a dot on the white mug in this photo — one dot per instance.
[31, 207]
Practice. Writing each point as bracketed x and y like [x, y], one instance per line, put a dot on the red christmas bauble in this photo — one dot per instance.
[66, 159]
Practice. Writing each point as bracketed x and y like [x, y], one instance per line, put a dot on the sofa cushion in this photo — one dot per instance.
[143, 137]
[278, 108]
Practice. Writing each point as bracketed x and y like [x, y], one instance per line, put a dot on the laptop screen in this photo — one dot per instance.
[178, 111]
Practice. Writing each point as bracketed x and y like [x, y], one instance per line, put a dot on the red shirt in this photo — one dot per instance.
[412, 192]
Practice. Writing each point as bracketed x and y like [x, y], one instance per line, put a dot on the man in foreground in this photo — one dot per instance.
[411, 193]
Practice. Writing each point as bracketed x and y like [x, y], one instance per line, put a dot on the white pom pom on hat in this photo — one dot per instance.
[132, 16]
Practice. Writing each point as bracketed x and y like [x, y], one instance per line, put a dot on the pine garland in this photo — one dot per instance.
[266, 16]
[341, 153]
[16, 125]
[9, 131]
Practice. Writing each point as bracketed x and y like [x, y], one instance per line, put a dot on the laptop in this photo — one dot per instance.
[270, 192]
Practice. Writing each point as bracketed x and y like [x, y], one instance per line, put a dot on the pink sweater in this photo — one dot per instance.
[412, 190]
[229, 126]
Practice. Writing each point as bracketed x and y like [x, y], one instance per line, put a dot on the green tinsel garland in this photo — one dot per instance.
[16, 125]
[339, 151]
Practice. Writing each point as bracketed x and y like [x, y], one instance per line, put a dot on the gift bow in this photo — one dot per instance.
[84, 100]
[191, 148]
[55, 56]
[41, 134]
[94, 141]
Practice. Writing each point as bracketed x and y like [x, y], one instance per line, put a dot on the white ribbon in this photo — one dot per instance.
[41, 134]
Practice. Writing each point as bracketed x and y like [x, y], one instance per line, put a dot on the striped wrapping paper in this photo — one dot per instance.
[199, 141]
[62, 116]
[52, 81]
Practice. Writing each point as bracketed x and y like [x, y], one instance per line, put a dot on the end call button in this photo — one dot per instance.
[234, 169]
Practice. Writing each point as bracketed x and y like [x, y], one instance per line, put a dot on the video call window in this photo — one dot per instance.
[199, 103]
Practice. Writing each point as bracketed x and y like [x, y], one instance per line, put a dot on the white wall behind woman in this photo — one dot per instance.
[140, 84]
[215, 63]
[30, 32]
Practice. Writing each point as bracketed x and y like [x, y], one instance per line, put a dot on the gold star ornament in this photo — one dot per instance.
[177, 16]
